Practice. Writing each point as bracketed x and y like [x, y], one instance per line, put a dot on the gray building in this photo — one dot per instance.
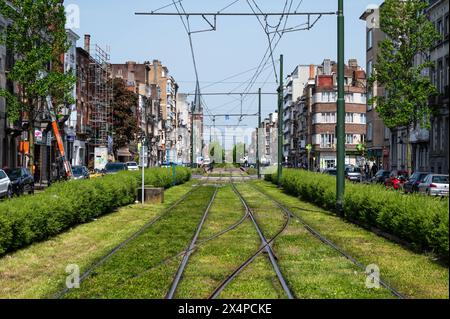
[438, 13]
[378, 135]
[9, 132]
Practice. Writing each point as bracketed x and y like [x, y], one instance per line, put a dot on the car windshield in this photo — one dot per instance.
[13, 173]
[132, 164]
[77, 170]
[440, 179]
[113, 167]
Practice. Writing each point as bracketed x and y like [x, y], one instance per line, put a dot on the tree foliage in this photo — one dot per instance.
[124, 106]
[37, 38]
[409, 38]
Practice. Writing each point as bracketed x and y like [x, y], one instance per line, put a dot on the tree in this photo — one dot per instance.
[37, 38]
[124, 104]
[238, 151]
[216, 152]
[409, 37]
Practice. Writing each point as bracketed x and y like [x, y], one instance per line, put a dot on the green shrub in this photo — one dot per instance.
[29, 219]
[417, 219]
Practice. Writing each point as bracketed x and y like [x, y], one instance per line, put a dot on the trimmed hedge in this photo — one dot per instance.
[417, 219]
[29, 219]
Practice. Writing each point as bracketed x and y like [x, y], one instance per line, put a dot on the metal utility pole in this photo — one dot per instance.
[340, 129]
[280, 123]
[258, 156]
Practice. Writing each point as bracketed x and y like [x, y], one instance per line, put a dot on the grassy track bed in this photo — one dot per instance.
[38, 271]
[414, 275]
[213, 262]
[135, 271]
[312, 269]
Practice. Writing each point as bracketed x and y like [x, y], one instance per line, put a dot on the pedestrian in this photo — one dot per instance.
[374, 169]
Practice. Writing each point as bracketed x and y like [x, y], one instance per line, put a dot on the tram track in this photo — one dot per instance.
[265, 246]
[325, 240]
[124, 243]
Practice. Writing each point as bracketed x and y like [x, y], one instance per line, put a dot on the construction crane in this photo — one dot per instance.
[51, 111]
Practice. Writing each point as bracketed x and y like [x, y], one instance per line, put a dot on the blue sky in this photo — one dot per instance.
[238, 44]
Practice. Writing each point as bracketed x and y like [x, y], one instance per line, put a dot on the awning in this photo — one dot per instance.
[124, 152]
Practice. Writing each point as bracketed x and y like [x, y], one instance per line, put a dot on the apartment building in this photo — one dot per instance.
[318, 111]
[268, 139]
[438, 13]
[378, 136]
[11, 153]
[295, 84]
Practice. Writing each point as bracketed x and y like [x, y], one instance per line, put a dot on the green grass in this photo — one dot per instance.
[413, 274]
[126, 274]
[38, 271]
[311, 269]
[215, 260]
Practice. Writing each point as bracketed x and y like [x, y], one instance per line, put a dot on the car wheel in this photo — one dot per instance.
[10, 193]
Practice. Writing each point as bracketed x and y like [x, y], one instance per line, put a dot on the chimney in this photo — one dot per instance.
[327, 67]
[87, 43]
[312, 72]
[353, 63]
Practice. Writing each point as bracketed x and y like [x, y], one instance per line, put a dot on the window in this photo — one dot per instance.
[442, 132]
[369, 39]
[363, 118]
[446, 27]
[326, 140]
[369, 98]
[440, 27]
[2, 175]
[440, 76]
[349, 98]
[349, 139]
[369, 68]
[369, 132]
[349, 118]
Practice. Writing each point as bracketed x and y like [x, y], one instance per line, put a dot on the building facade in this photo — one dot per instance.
[318, 114]
[378, 136]
[438, 13]
[295, 84]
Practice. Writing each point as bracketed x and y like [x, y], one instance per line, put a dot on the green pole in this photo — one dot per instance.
[280, 123]
[258, 160]
[174, 174]
[340, 130]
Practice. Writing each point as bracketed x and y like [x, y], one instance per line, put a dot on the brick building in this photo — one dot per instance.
[317, 116]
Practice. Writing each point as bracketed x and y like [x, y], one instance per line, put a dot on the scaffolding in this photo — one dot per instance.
[101, 111]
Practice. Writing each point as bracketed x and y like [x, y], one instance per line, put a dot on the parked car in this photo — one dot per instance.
[21, 180]
[5, 185]
[380, 177]
[353, 173]
[412, 185]
[80, 172]
[434, 185]
[113, 168]
[132, 166]
[396, 179]
[330, 171]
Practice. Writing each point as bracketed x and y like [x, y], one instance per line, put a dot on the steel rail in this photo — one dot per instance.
[191, 246]
[198, 245]
[266, 245]
[326, 241]
[86, 274]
